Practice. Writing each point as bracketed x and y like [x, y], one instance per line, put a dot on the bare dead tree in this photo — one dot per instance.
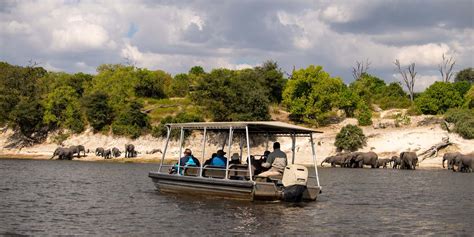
[360, 68]
[408, 76]
[290, 76]
[446, 68]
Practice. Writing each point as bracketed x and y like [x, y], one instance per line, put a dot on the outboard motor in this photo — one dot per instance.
[294, 182]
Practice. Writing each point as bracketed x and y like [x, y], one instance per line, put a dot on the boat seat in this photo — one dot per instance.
[213, 171]
[191, 171]
[238, 171]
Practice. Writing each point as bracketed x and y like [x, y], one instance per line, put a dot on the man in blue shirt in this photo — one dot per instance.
[219, 159]
[187, 160]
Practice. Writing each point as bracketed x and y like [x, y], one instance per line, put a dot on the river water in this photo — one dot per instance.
[39, 197]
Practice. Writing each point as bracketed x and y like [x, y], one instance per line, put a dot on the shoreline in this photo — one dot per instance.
[156, 160]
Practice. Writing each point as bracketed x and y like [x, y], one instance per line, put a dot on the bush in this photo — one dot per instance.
[311, 94]
[469, 98]
[350, 138]
[131, 121]
[463, 120]
[161, 131]
[62, 109]
[98, 112]
[364, 115]
[401, 119]
[438, 98]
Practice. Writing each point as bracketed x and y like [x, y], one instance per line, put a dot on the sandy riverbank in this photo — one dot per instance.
[385, 142]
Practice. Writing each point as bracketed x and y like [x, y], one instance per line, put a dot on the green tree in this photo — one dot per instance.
[348, 102]
[131, 121]
[152, 84]
[463, 120]
[183, 117]
[469, 98]
[350, 138]
[466, 74]
[62, 109]
[232, 95]
[462, 87]
[438, 98]
[271, 78]
[367, 87]
[98, 112]
[393, 96]
[180, 85]
[197, 70]
[28, 116]
[311, 94]
[364, 115]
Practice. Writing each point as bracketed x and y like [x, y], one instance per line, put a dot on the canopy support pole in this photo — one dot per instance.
[168, 133]
[181, 137]
[293, 145]
[314, 159]
[249, 164]
[230, 144]
[203, 150]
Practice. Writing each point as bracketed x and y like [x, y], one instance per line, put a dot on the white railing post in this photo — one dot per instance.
[203, 150]
[314, 158]
[181, 137]
[230, 146]
[249, 164]
[168, 133]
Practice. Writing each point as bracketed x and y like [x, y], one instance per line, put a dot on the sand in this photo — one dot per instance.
[386, 142]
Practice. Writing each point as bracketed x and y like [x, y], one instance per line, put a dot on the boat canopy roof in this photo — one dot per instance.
[263, 127]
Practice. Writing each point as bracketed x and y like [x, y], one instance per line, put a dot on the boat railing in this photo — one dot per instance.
[235, 171]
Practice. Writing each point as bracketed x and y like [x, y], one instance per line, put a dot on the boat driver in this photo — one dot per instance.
[276, 161]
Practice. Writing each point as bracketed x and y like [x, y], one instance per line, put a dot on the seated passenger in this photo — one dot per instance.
[187, 160]
[208, 161]
[276, 161]
[235, 159]
[219, 159]
[257, 164]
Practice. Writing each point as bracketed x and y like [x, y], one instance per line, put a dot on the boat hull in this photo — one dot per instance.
[223, 188]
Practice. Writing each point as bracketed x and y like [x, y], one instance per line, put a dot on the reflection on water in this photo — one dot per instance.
[69, 197]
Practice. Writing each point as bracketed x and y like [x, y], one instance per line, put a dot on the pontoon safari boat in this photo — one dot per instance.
[237, 181]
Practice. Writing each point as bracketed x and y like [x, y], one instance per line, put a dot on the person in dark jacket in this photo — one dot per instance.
[187, 160]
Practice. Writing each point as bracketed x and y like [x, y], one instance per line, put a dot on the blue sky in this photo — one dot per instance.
[75, 36]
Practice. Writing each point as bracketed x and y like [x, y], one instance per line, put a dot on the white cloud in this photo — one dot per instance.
[425, 55]
[78, 34]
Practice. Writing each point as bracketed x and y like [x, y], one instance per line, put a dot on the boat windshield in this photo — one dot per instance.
[231, 163]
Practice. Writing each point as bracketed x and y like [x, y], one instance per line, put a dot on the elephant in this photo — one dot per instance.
[449, 158]
[99, 151]
[359, 159]
[107, 154]
[154, 151]
[408, 160]
[464, 163]
[63, 153]
[396, 162]
[383, 163]
[340, 160]
[116, 152]
[77, 150]
[130, 151]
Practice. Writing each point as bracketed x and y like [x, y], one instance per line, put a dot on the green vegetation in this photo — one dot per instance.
[463, 120]
[161, 131]
[438, 98]
[131, 101]
[350, 138]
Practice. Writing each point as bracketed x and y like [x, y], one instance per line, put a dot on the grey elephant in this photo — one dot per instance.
[408, 160]
[77, 150]
[130, 151]
[464, 162]
[383, 163]
[396, 162]
[335, 160]
[63, 153]
[359, 159]
[116, 152]
[449, 158]
[99, 151]
[107, 154]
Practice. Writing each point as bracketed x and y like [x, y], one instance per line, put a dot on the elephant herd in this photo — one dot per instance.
[406, 160]
[463, 162]
[68, 153]
[130, 152]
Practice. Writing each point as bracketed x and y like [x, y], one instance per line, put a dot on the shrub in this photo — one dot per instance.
[401, 119]
[438, 98]
[62, 109]
[131, 121]
[463, 120]
[98, 112]
[364, 115]
[469, 98]
[350, 138]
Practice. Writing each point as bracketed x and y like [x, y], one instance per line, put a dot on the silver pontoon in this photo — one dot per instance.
[238, 181]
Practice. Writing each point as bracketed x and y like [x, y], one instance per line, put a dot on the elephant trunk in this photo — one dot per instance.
[322, 163]
[443, 162]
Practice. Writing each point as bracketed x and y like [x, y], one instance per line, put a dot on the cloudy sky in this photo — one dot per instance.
[77, 35]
